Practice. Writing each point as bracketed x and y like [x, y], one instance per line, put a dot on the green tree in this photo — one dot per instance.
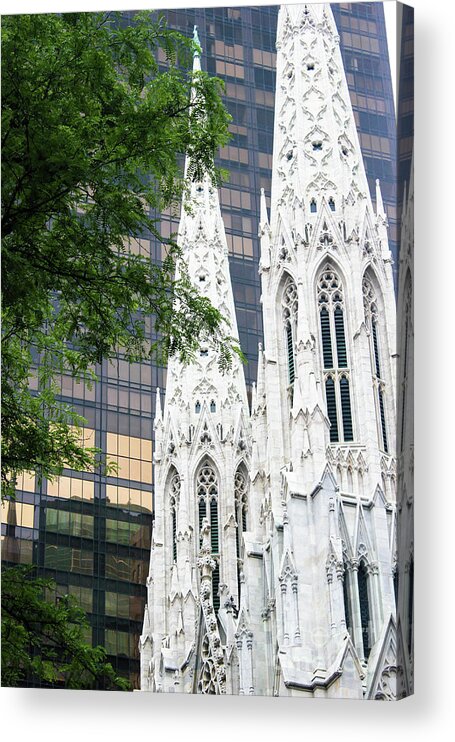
[43, 641]
[93, 138]
[93, 135]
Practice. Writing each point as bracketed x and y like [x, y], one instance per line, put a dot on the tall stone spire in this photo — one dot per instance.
[204, 438]
[325, 395]
[271, 566]
[317, 158]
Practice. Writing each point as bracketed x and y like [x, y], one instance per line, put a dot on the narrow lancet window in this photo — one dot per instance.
[207, 495]
[241, 507]
[372, 322]
[335, 355]
[345, 398]
[174, 499]
[289, 305]
[331, 408]
[364, 605]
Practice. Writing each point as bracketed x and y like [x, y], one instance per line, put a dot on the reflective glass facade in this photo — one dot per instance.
[91, 532]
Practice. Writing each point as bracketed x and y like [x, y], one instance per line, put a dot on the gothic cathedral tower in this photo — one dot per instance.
[273, 554]
[202, 444]
[323, 466]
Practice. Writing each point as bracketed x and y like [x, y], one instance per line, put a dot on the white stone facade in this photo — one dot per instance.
[273, 552]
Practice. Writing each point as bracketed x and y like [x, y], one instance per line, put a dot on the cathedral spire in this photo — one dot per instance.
[316, 154]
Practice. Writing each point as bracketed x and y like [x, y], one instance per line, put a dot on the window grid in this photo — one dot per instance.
[289, 305]
[334, 354]
[207, 495]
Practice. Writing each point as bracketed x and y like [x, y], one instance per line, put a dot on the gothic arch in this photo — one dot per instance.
[286, 307]
[207, 484]
[336, 266]
[204, 456]
[371, 275]
[335, 353]
[172, 490]
[374, 314]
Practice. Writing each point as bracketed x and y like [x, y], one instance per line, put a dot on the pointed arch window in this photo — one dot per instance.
[410, 613]
[289, 305]
[207, 497]
[335, 355]
[364, 605]
[407, 338]
[357, 606]
[241, 510]
[174, 499]
[370, 306]
[313, 207]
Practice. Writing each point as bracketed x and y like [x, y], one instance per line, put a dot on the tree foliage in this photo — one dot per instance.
[43, 641]
[93, 136]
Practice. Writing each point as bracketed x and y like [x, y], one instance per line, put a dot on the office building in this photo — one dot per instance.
[92, 533]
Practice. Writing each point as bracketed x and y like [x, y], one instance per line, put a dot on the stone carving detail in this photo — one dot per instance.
[387, 686]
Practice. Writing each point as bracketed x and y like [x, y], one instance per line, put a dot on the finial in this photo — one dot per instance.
[197, 49]
[158, 410]
[379, 202]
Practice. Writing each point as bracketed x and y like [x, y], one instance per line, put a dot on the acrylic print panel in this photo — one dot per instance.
[270, 549]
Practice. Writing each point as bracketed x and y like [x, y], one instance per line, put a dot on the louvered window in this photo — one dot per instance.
[174, 535]
[289, 306]
[374, 330]
[385, 444]
[331, 408]
[216, 585]
[207, 494]
[290, 349]
[174, 499]
[407, 341]
[346, 408]
[347, 602]
[362, 579]
[335, 354]
[241, 508]
[372, 321]
[214, 526]
[410, 616]
[340, 338]
[326, 339]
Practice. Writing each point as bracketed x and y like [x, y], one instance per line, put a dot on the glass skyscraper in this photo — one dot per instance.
[91, 532]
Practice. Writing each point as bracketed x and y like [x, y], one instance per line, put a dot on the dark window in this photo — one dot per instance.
[174, 534]
[214, 526]
[346, 408]
[376, 348]
[410, 616]
[290, 349]
[313, 207]
[340, 338]
[331, 409]
[383, 425]
[364, 605]
[326, 339]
